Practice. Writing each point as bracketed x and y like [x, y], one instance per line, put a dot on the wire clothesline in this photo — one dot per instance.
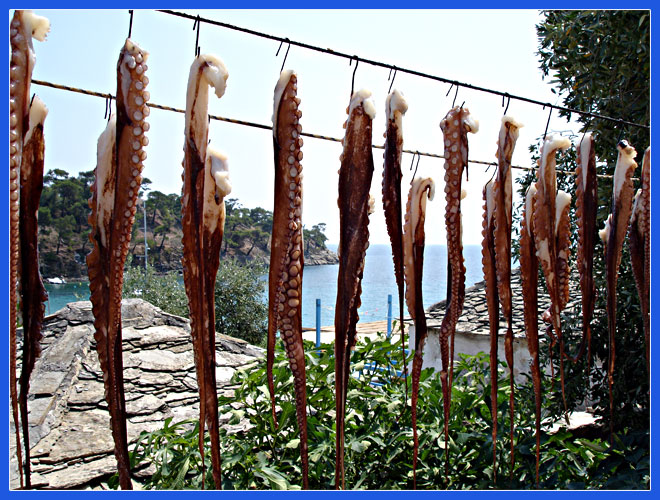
[391, 67]
[269, 127]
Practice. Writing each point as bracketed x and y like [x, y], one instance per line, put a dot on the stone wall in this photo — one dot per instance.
[72, 446]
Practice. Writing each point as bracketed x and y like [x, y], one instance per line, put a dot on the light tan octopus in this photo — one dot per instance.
[205, 185]
[613, 235]
[413, 267]
[639, 239]
[552, 238]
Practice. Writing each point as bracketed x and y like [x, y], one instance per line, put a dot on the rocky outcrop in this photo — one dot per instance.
[321, 257]
[69, 421]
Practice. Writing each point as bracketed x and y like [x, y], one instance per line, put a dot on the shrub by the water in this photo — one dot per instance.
[379, 434]
[240, 310]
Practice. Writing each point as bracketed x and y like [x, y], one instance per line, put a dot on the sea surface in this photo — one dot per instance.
[320, 282]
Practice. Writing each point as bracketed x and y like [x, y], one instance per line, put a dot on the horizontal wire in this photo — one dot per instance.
[269, 127]
[398, 68]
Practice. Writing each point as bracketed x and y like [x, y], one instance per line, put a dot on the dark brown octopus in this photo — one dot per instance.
[586, 208]
[25, 182]
[117, 179]
[639, 239]
[355, 204]
[286, 252]
[552, 239]
[394, 110]
[413, 246]
[612, 236]
[455, 127]
[205, 185]
[529, 276]
[33, 293]
[502, 192]
[492, 301]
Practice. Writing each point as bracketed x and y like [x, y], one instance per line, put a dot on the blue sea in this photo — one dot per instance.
[320, 282]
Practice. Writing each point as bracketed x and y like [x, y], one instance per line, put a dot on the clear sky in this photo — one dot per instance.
[489, 48]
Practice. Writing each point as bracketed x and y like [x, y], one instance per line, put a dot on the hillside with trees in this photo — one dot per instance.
[64, 229]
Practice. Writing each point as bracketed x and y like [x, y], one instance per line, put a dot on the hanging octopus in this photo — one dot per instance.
[552, 239]
[286, 252]
[395, 108]
[492, 301]
[455, 127]
[33, 293]
[613, 235]
[120, 159]
[640, 252]
[413, 250]
[529, 275]
[205, 185]
[24, 134]
[586, 207]
[502, 191]
[355, 205]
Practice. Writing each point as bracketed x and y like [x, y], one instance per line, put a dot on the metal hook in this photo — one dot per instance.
[357, 61]
[586, 127]
[508, 101]
[450, 87]
[196, 26]
[416, 153]
[286, 54]
[462, 104]
[453, 104]
[393, 77]
[548, 122]
[108, 107]
[130, 23]
[620, 132]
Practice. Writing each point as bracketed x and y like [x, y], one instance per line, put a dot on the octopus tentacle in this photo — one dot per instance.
[455, 127]
[586, 207]
[502, 192]
[205, 185]
[551, 238]
[639, 241]
[413, 250]
[286, 256]
[489, 264]
[612, 236]
[355, 205]
[33, 293]
[396, 107]
[24, 26]
[120, 158]
[529, 266]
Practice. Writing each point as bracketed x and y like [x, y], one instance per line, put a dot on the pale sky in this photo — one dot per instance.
[489, 48]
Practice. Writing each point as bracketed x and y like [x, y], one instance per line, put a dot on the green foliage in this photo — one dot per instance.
[240, 307]
[379, 436]
[162, 290]
[599, 61]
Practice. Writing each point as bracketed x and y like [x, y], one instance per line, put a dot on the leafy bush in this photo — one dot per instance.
[379, 435]
[162, 290]
[240, 308]
[240, 302]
